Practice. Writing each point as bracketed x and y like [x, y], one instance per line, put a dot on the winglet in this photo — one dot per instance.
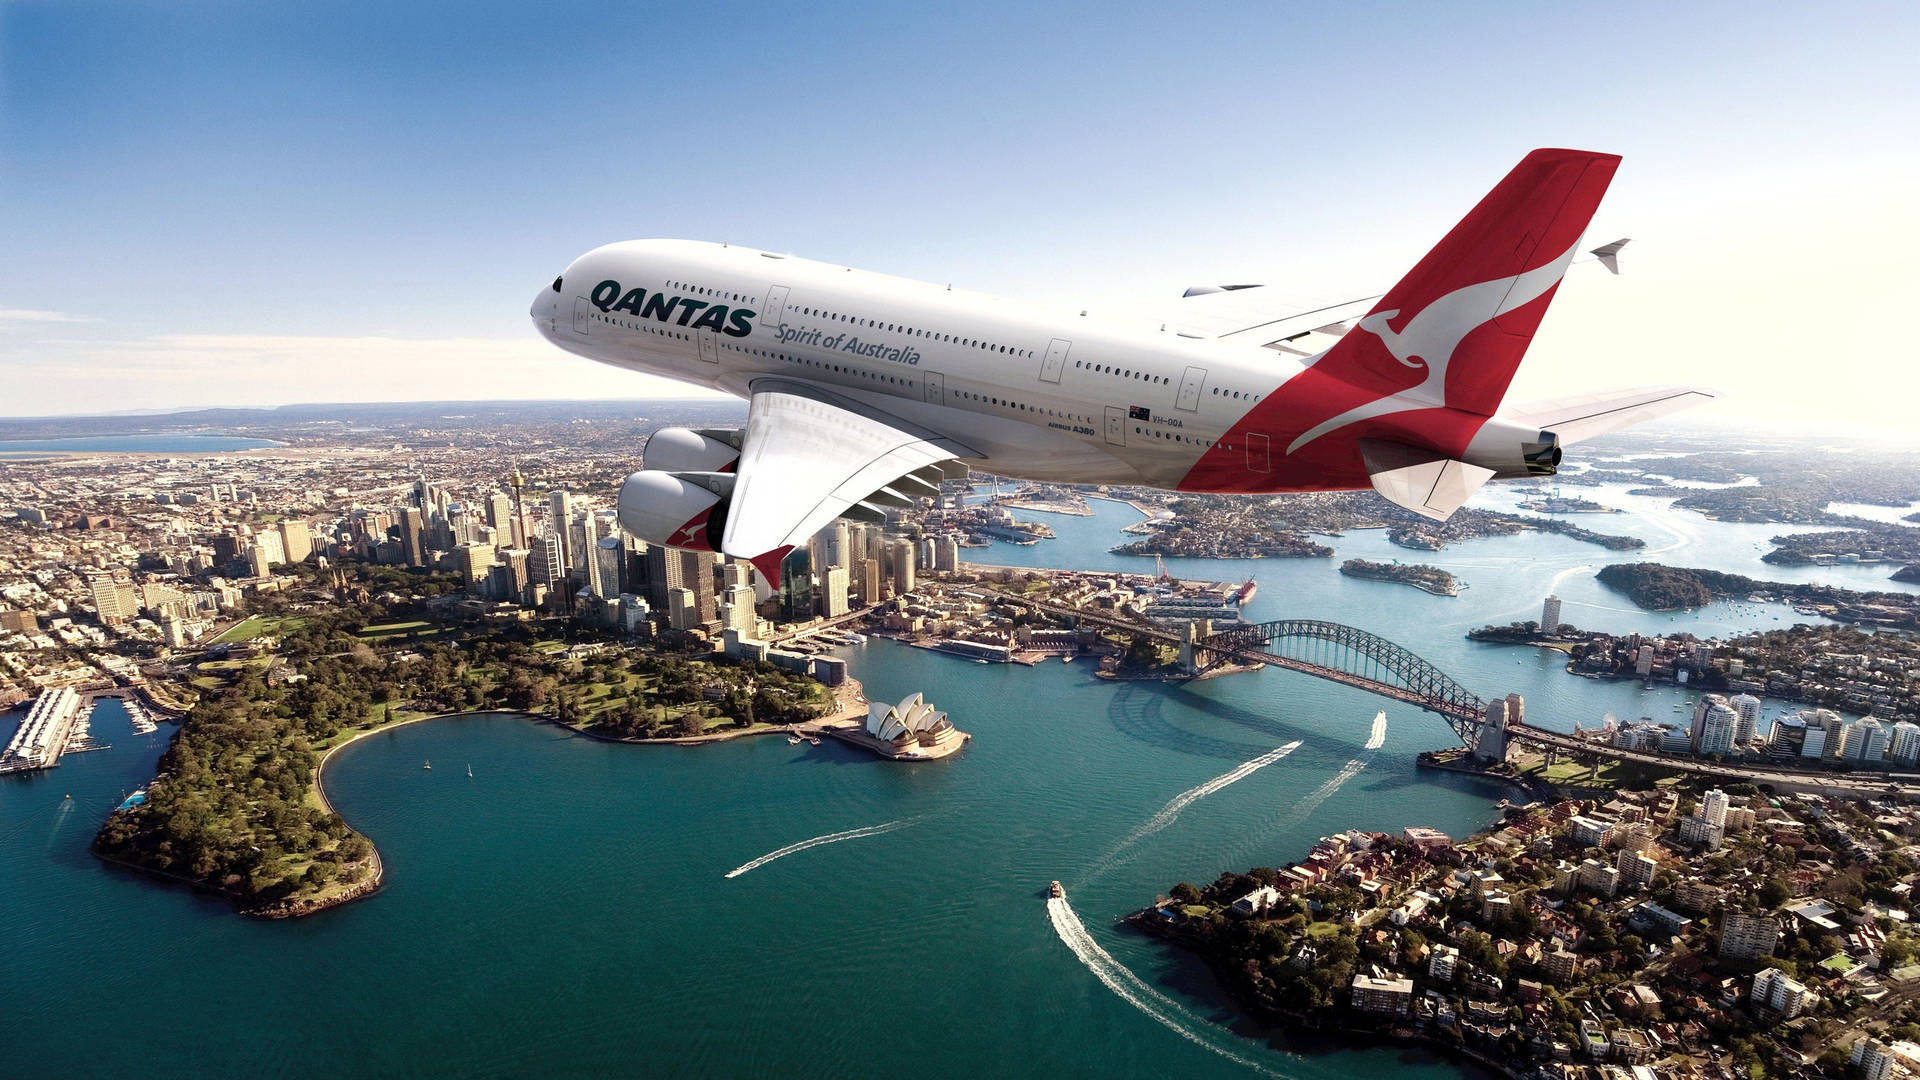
[768, 579]
[1428, 483]
[1609, 254]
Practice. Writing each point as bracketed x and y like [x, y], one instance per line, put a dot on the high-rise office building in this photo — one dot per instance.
[1550, 615]
[500, 513]
[900, 556]
[296, 540]
[796, 586]
[413, 535]
[839, 545]
[833, 592]
[560, 520]
[114, 600]
[610, 557]
[946, 554]
[696, 576]
[475, 560]
[736, 609]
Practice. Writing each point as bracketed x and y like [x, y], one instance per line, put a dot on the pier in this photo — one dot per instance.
[44, 734]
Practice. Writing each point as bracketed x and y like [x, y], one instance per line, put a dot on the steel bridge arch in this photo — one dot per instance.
[1350, 650]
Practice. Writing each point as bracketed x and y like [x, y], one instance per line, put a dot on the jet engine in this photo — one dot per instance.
[678, 449]
[683, 510]
[1514, 451]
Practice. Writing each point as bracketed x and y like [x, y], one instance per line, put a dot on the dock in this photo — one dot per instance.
[44, 734]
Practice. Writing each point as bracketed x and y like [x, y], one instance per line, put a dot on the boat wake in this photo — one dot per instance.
[1165, 815]
[1375, 740]
[829, 838]
[1132, 989]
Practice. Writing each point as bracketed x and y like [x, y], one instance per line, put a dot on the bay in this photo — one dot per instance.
[567, 909]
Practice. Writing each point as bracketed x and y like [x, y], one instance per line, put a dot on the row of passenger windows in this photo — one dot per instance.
[1158, 380]
[702, 290]
[1017, 406]
[914, 331]
[1175, 436]
[644, 327]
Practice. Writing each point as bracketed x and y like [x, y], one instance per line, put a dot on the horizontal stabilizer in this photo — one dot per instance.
[1424, 481]
[1609, 254]
[1583, 416]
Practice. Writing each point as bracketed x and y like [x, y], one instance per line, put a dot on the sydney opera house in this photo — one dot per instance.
[912, 729]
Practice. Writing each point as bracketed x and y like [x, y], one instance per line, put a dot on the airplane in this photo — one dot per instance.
[865, 391]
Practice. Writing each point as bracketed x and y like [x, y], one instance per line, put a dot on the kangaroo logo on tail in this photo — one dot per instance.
[1432, 336]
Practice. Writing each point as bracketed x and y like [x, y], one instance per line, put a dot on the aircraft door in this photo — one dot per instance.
[1257, 453]
[1190, 384]
[936, 387]
[774, 311]
[581, 318]
[1116, 425]
[709, 344]
[1055, 361]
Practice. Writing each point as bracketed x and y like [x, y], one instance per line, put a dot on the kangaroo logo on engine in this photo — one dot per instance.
[733, 322]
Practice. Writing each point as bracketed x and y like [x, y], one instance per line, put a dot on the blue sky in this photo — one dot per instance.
[226, 204]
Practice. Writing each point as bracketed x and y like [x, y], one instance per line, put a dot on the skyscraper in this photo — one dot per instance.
[1550, 615]
[296, 540]
[413, 539]
[900, 558]
[560, 520]
[500, 514]
[796, 586]
[833, 592]
[610, 557]
[1747, 708]
[696, 576]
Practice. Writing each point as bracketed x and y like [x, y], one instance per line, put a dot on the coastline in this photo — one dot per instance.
[825, 725]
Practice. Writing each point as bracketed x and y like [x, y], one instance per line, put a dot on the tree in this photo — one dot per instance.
[1186, 893]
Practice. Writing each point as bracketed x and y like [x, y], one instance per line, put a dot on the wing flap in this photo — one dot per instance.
[809, 456]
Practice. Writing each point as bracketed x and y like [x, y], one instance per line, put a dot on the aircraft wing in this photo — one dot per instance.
[809, 455]
[1258, 316]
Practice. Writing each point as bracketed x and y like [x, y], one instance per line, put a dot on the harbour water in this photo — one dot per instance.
[568, 909]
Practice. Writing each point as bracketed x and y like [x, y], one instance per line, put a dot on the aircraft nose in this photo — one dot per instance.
[541, 311]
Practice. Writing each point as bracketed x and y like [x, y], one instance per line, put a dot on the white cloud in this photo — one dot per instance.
[191, 370]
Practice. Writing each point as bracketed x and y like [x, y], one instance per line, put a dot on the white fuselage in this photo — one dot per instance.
[1036, 393]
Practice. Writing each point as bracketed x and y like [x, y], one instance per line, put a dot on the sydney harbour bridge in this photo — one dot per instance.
[1369, 662]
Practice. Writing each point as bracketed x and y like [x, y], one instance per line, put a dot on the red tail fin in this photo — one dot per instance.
[1467, 311]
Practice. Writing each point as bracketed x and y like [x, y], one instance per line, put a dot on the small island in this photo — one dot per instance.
[1430, 579]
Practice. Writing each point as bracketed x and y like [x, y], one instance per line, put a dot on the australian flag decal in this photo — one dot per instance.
[1139, 412]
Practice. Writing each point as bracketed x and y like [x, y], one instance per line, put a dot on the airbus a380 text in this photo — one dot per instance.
[866, 390]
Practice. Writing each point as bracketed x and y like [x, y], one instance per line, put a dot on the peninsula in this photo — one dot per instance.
[1664, 928]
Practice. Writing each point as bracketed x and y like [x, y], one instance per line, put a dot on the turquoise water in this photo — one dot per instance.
[151, 444]
[567, 910]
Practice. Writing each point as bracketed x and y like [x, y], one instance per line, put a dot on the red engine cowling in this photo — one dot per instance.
[677, 510]
[678, 449]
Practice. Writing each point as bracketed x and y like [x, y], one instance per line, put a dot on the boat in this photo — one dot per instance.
[469, 770]
[428, 765]
[1246, 591]
[794, 740]
[1055, 891]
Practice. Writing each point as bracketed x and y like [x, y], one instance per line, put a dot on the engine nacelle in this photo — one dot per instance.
[683, 510]
[1513, 451]
[678, 449]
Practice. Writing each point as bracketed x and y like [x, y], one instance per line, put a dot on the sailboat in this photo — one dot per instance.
[469, 770]
[428, 765]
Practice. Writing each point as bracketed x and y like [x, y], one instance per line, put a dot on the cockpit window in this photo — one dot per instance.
[556, 283]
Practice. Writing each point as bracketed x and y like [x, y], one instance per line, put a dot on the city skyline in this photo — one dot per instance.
[305, 204]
